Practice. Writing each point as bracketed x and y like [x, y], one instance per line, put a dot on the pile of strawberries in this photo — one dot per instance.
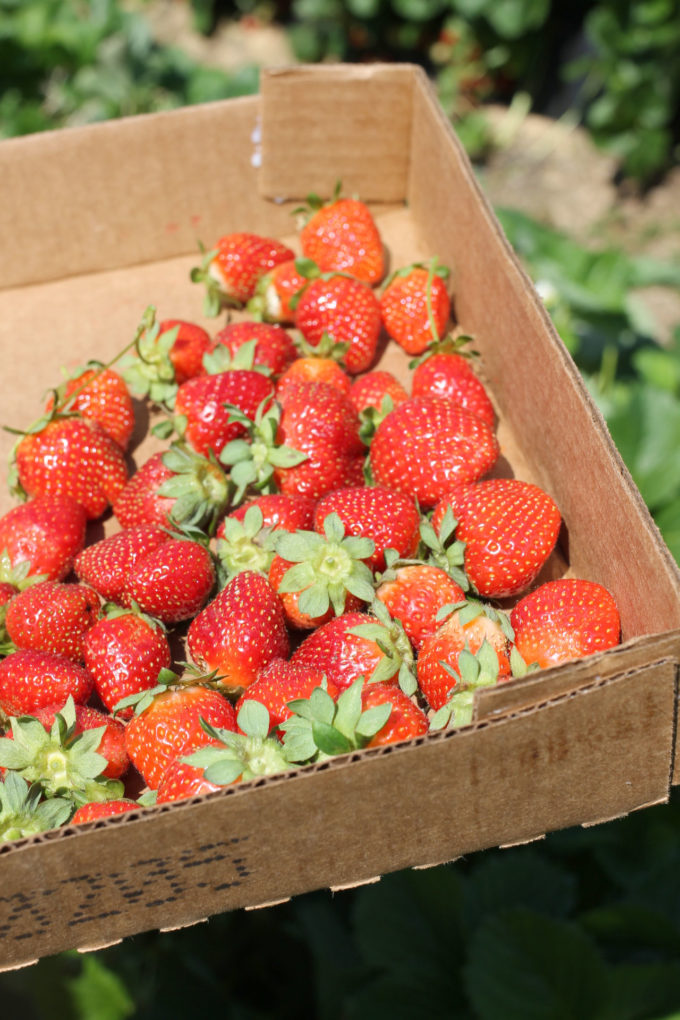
[317, 560]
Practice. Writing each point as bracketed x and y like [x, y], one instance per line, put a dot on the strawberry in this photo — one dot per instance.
[46, 533]
[276, 291]
[321, 574]
[414, 594]
[246, 537]
[124, 652]
[405, 720]
[342, 235]
[98, 394]
[352, 645]
[428, 444]
[169, 725]
[52, 616]
[273, 347]
[176, 486]
[565, 619]
[191, 342]
[444, 372]
[205, 403]
[105, 565]
[280, 682]
[371, 389]
[95, 811]
[181, 780]
[348, 311]
[389, 518]
[415, 306]
[112, 743]
[509, 528]
[24, 812]
[71, 456]
[467, 629]
[230, 272]
[279, 510]
[315, 368]
[240, 631]
[30, 680]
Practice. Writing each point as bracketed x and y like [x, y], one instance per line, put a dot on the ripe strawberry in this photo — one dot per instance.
[348, 311]
[95, 811]
[98, 394]
[274, 348]
[405, 722]
[279, 510]
[176, 486]
[428, 444]
[240, 631]
[191, 343]
[173, 582]
[75, 457]
[443, 372]
[205, 402]
[280, 682]
[181, 780]
[275, 293]
[230, 272]
[389, 518]
[342, 235]
[509, 528]
[46, 532]
[30, 680]
[321, 574]
[125, 651]
[415, 594]
[466, 630]
[171, 726]
[52, 616]
[415, 306]
[105, 565]
[315, 369]
[370, 390]
[563, 620]
[112, 744]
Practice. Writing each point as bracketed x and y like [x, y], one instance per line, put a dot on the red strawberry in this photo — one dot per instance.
[466, 630]
[190, 344]
[95, 811]
[99, 394]
[342, 235]
[274, 348]
[315, 369]
[370, 390]
[388, 517]
[125, 651]
[446, 373]
[565, 619]
[105, 565]
[181, 780]
[281, 682]
[405, 721]
[279, 510]
[415, 306]
[112, 745]
[176, 486]
[173, 582]
[428, 444]
[75, 457]
[30, 680]
[345, 309]
[275, 292]
[415, 594]
[240, 631]
[46, 532]
[231, 271]
[171, 726]
[52, 616]
[203, 402]
[509, 528]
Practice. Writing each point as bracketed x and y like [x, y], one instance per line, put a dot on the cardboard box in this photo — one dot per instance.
[99, 222]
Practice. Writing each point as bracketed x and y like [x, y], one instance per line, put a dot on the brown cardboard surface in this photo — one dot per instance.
[122, 204]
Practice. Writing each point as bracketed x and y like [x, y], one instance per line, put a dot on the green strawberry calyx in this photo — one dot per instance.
[241, 756]
[444, 550]
[24, 812]
[253, 460]
[326, 567]
[321, 728]
[206, 274]
[147, 369]
[245, 545]
[198, 485]
[221, 359]
[447, 345]
[391, 639]
[61, 762]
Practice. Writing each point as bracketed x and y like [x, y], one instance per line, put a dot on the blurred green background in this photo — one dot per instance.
[571, 114]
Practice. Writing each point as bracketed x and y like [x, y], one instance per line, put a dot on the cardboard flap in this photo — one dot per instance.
[362, 138]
